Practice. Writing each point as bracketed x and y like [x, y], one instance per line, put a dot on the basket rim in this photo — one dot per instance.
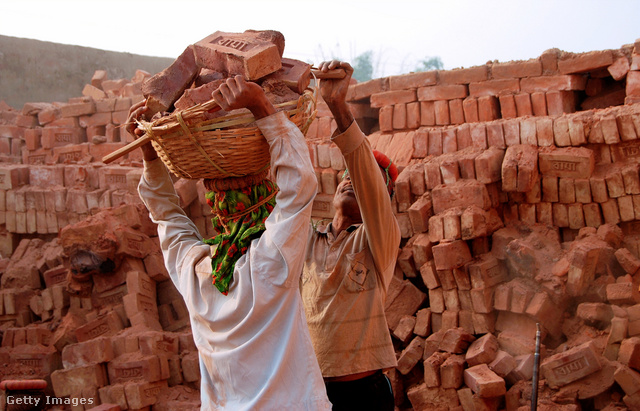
[176, 134]
[178, 120]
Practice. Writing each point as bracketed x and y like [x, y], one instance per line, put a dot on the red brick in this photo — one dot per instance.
[144, 394]
[629, 353]
[447, 279]
[560, 102]
[518, 69]
[399, 121]
[633, 84]
[441, 108]
[420, 143]
[405, 299]
[106, 325]
[456, 341]
[451, 372]
[422, 249]
[464, 75]
[610, 130]
[444, 92]
[412, 80]
[448, 165]
[420, 212]
[484, 382]
[488, 165]
[413, 115]
[482, 351]
[511, 132]
[494, 87]
[544, 131]
[486, 271]
[628, 380]
[552, 83]
[586, 62]
[629, 262]
[523, 104]
[495, 135]
[470, 109]
[623, 293]
[389, 98]
[77, 109]
[366, 89]
[410, 355]
[539, 103]
[432, 368]
[571, 365]
[435, 142]
[427, 113]
[528, 131]
[576, 132]
[482, 299]
[404, 329]
[227, 52]
[462, 193]
[456, 111]
[423, 323]
[436, 300]
[507, 106]
[626, 128]
[502, 364]
[72, 381]
[133, 367]
[451, 254]
[479, 135]
[488, 108]
[429, 275]
[95, 351]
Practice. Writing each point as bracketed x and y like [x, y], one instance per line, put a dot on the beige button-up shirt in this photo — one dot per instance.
[345, 279]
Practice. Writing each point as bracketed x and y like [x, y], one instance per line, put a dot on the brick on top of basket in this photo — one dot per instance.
[204, 65]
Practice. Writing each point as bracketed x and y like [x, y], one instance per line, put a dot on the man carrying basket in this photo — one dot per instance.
[246, 314]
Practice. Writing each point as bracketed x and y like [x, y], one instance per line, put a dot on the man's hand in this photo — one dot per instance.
[334, 92]
[237, 93]
[135, 113]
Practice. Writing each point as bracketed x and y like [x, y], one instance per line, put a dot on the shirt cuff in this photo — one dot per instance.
[153, 168]
[350, 139]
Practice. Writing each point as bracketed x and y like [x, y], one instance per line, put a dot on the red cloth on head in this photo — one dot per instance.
[384, 162]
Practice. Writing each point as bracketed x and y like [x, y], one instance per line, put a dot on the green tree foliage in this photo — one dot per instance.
[363, 66]
[430, 63]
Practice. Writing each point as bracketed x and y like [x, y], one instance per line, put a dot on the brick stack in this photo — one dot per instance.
[120, 337]
[498, 163]
[518, 202]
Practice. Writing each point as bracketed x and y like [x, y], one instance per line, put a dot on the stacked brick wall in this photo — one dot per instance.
[518, 202]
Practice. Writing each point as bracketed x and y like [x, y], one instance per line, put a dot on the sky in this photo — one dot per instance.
[399, 33]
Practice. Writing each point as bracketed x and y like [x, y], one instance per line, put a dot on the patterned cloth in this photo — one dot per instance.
[239, 218]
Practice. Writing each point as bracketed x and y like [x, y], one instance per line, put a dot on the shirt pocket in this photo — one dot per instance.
[360, 275]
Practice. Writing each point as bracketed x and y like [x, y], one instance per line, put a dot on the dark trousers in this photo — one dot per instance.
[372, 393]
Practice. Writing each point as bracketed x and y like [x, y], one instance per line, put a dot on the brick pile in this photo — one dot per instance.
[518, 202]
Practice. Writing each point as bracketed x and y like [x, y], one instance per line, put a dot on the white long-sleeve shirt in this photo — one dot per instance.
[254, 345]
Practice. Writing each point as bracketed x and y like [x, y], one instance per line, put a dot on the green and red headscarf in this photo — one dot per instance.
[239, 217]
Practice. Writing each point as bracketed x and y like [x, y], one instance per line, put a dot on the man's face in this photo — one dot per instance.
[345, 199]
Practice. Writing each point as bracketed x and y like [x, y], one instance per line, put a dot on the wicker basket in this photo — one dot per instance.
[224, 147]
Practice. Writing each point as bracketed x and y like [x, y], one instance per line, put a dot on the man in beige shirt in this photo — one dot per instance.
[349, 265]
